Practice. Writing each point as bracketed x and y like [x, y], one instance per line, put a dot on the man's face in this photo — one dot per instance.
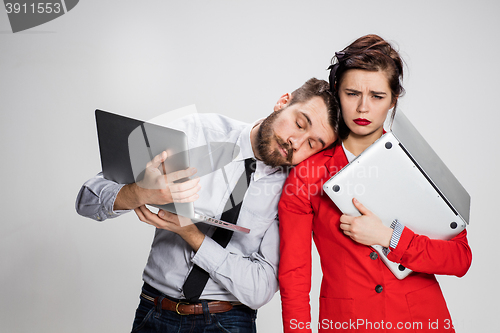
[293, 133]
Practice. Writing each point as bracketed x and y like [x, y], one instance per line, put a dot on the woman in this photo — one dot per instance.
[358, 292]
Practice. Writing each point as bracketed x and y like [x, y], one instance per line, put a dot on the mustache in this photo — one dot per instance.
[286, 146]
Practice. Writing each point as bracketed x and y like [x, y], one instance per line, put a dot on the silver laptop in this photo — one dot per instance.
[126, 145]
[401, 177]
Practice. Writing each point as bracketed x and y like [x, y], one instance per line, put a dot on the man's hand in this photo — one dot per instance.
[366, 229]
[156, 188]
[182, 226]
[159, 189]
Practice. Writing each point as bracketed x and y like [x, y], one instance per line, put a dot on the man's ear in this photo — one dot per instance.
[283, 101]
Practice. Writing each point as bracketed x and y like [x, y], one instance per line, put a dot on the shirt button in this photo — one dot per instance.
[379, 289]
[374, 255]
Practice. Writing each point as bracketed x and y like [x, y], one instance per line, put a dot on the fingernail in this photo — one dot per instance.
[161, 213]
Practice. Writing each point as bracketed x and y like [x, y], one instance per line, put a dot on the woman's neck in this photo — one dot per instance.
[356, 144]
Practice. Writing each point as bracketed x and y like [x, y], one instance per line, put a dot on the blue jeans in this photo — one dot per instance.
[150, 318]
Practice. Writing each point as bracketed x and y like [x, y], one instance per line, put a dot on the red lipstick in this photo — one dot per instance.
[362, 121]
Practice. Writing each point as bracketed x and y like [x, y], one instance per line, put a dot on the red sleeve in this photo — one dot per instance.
[295, 223]
[422, 254]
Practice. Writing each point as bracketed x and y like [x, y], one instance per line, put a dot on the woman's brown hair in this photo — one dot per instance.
[370, 53]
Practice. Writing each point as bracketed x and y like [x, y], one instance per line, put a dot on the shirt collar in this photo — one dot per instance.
[350, 156]
[244, 143]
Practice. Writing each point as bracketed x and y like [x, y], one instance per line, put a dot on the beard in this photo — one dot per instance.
[266, 136]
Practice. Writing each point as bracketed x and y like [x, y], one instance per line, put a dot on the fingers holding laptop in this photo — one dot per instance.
[366, 229]
[162, 220]
[186, 191]
[158, 188]
[167, 188]
[153, 176]
[182, 226]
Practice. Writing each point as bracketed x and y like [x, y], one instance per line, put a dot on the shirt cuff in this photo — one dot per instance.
[396, 234]
[108, 199]
[90, 204]
[210, 255]
[396, 254]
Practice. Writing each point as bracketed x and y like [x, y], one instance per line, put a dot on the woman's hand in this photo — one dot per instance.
[366, 229]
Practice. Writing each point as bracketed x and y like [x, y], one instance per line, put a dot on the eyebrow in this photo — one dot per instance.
[310, 124]
[371, 91]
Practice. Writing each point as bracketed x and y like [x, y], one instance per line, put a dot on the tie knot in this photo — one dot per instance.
[250, 165]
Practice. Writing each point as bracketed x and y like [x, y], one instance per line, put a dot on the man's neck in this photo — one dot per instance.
[254, 140]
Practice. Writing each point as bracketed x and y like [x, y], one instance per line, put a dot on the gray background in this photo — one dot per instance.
[63, 273]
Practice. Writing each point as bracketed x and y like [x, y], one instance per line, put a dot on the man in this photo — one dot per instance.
[242, 274]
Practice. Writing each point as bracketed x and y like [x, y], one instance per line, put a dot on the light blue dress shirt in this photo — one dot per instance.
[247, 269]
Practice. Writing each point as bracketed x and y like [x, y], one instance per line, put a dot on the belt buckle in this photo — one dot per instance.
[177, 308]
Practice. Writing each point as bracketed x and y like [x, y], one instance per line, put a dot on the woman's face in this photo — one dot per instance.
[365, 98]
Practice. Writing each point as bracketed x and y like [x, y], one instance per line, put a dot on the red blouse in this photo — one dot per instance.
[358, 292]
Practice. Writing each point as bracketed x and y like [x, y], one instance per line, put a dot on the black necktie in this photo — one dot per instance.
[197, 278]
